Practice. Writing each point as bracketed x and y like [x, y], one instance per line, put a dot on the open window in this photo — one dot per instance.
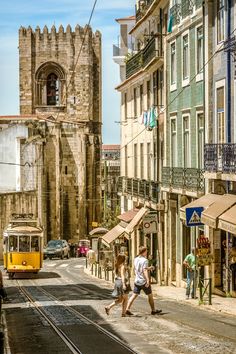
[50, 85]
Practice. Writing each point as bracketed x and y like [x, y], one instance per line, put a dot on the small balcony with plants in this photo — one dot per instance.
[151, 51]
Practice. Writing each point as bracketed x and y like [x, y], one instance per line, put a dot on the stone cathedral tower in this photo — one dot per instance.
[60, 84]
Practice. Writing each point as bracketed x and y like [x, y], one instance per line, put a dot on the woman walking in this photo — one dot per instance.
[122, 285]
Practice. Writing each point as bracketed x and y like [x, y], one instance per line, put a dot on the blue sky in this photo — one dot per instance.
[16, 13]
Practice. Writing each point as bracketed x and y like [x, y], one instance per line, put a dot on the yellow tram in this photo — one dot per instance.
[22, 245]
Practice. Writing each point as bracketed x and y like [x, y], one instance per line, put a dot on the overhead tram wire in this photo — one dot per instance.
[181, 91]
[76, 63]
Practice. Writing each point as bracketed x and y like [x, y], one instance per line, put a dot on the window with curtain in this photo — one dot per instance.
[173, 143]
[173, 64]
[199, 49]
[200, 121]
[220, 20]
[186, 141]
[185, 57]
[220, 111]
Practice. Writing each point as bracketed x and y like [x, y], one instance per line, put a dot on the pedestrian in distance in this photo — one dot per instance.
[91, 257]
[3, 293]
[142, 281]
[190, 264]
[121, 286]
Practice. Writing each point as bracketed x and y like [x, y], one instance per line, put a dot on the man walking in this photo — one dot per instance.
[142, 281]
[190, 264]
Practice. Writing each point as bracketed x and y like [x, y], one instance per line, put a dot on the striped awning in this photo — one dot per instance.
[136, 220]
[211, 215]
[113, 234]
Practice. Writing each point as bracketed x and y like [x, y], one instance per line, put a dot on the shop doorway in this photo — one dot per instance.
[186, 247]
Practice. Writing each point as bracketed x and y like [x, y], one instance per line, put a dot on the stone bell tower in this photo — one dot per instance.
[60, 83]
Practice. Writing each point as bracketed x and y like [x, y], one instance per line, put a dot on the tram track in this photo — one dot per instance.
[34, 294]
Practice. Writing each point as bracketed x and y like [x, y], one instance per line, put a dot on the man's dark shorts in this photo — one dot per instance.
[138, 288]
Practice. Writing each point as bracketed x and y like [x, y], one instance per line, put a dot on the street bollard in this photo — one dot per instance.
[92, 269]
[113, 277]
[99, 272]
[200, 289]
[0, 305]
[210, 291]
[86, 263]
[95, 269]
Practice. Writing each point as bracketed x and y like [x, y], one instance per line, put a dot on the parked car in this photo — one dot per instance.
[83, 248]
[57, 248]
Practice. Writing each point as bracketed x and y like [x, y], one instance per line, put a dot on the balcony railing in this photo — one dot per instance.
[190, 179]
[134, 64]
[220, 158]
[141, 8]
[186, 8]
[198, 4]
[153, 49]
[175, 13]
[181, 11]
[142, 188]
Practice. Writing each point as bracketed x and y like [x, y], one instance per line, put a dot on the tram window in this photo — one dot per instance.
[24, 244]
[13, 243]
[34, 244]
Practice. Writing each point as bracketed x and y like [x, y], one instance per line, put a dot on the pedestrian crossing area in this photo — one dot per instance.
[63, 265]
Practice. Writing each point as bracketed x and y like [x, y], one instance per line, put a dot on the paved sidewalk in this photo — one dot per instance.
[219, 304]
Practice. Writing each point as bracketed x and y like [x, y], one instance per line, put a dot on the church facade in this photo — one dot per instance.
[56, 145]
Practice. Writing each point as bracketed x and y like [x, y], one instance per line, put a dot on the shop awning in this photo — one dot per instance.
[98, 230]
[136, 220]
[113, 234]
[128, 215]
[210, 216]
[227, 221]
[205, 201]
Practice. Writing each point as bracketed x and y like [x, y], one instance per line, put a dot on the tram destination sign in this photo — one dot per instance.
[193, 216]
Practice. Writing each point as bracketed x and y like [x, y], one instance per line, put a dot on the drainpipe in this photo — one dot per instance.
[228, 83]
[228, 74]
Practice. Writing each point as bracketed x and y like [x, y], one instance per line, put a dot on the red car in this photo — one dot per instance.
[83, 248]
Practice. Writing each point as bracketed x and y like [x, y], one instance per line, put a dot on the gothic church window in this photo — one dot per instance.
[52, 90]
[50, 85]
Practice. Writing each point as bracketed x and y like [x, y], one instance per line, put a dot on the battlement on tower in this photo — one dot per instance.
[60, 35]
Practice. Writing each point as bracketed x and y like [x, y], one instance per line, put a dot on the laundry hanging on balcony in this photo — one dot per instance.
[149, 118]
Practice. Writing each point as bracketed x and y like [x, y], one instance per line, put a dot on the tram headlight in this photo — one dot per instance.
[24, 263]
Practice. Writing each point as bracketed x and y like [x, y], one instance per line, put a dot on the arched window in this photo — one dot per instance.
[50, 85]
[52, 90]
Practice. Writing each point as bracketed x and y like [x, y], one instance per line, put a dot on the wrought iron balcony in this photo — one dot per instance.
[141, 8]
[152, 50]
[129, 185]
[142, 188]
[134, 64]
[120, 185]
[135, 186]
[220, 158]
[175, 13]
[186, 8]
[154, 192]
[190, 179]
[198, 4]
